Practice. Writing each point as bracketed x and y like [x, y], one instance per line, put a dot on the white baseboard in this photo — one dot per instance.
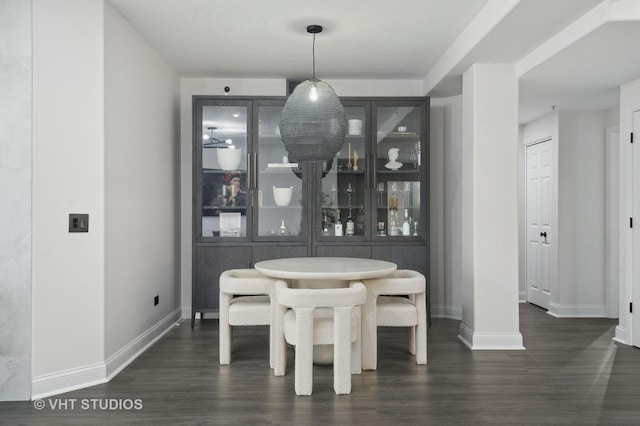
[620, 335]
[118, 361]
[203, 315]
[186, 312]
[101, 372]
[490, 341]
[577, 311]
[443, 311]
[68, 380]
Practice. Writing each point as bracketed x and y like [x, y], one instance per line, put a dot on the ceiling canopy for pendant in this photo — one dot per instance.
[313, 124]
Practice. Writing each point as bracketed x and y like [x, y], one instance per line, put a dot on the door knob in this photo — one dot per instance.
[543, 234]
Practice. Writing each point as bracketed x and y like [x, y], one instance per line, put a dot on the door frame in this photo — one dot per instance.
[553, 220]
[612, 213]
[634, 249]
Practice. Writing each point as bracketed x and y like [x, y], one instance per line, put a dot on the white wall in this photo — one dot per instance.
[446, 209]
[141, 189]
[114, 156]
[581, 215]
[612, 117]
[68, 177]
[15, 193]
[437, 256]
[248, 87]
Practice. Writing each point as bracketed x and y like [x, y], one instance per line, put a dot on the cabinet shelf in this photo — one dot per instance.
[399, 172]
[263, 207]
[229, 209]
[401, 135]
[345, 207]
[220, 171]
[351, 172]
[281, 170]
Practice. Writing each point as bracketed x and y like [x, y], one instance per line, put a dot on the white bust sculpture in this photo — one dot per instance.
[393, 163]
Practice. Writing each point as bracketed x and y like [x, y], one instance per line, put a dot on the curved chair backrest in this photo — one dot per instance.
[401, 281]
[353, 295]
[346, 343]
[245, 281]
[248, 310]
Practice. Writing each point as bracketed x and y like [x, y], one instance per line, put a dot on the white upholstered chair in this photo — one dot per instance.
[245, 300]
[305, 317]
[395, 300]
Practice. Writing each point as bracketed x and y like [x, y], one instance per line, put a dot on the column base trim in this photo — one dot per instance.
[490, 341]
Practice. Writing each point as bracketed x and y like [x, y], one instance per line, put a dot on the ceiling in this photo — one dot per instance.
[579, 67]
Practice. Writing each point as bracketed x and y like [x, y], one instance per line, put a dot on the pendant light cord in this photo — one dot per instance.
[313, 50]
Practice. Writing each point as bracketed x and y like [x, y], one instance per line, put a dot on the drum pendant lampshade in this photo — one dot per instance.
[313, 124]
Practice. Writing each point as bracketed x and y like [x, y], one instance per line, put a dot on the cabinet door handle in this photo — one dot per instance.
[249, 174]
[255, 170]
[374, 170]
[543, 234]
[367, 174]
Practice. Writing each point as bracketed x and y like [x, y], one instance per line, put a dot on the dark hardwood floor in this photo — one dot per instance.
[571, 373]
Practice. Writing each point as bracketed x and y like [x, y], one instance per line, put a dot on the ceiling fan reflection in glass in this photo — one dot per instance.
[211, 141]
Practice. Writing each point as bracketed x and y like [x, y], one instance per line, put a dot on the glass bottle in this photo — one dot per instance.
[350, 226]
[406, 225]
[394, 225]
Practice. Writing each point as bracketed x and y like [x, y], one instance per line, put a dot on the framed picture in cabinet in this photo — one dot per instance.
[223, 191]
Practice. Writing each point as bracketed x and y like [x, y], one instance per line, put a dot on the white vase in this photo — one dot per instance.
[282, 196]
[229, 158]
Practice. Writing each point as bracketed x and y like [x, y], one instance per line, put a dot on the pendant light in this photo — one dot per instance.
[313, 124]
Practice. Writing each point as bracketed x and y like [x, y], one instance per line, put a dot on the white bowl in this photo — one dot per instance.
[229, 158]
[282, 196]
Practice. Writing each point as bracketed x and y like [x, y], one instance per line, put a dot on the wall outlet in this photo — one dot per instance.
[156, 300]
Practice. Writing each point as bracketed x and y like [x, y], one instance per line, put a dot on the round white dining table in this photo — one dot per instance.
[325, 268]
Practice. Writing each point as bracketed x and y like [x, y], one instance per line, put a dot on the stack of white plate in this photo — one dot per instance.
[355, 127]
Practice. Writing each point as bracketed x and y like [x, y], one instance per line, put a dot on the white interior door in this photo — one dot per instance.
[635, 234]
[538, 215]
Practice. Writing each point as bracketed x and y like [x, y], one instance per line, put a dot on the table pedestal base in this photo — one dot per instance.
[323, 354]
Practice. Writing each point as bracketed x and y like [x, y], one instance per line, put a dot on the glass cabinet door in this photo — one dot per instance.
[224, 173]
[400, 133]
[279, 183]
[343, 194]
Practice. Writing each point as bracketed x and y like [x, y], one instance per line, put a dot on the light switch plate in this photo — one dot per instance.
[78, 222]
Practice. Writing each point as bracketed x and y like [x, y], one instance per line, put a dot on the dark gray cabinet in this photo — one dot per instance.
[251, 203]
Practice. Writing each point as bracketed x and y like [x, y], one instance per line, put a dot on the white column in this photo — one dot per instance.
[490, 208]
